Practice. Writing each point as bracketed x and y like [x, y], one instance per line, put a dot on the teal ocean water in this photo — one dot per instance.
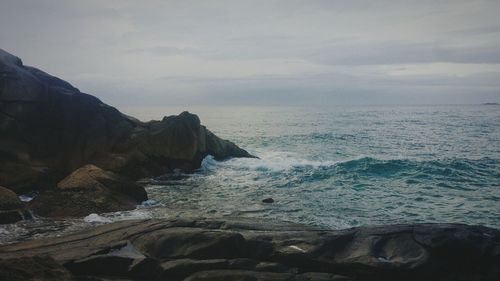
[346, 166]
[334, 167]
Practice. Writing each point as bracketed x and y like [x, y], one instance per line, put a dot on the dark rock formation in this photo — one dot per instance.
[48, 129]
[176, 142]
[33, 268]
[9, 200]
[11, 208]
[268, 200]
[89, 190]
[241, 249]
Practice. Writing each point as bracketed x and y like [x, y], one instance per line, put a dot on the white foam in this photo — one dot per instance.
[269, 161]
[96, 218]
[147, 204]
[26, 197]
[383, 259]
[137, 214]
[3, 230]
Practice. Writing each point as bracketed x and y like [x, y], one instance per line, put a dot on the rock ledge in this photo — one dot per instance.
[242, 249]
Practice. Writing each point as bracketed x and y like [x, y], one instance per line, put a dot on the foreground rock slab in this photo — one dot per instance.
[242, 249]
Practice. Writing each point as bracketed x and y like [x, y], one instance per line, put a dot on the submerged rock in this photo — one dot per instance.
[244, 249]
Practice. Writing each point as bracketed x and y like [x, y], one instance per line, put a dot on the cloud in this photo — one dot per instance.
[165, 50]
[405, 53]
[279, 51]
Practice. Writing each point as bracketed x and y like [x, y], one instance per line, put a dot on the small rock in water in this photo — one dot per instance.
[268, 200]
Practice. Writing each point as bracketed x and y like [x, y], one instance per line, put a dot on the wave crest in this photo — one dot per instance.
[455, 169]
[270, 161]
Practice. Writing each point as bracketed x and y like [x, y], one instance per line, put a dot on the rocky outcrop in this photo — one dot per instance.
[242, 249]
[89, 190]
[48, 129]
[175, 142]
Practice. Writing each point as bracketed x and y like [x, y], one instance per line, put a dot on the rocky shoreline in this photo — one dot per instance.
[243, 249]
[81, 155]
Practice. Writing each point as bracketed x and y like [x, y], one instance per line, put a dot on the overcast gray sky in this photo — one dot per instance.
[262, 52]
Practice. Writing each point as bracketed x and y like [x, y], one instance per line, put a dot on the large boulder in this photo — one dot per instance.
[9, 199]
[11, 208]
[93, 177]
[89, 190]
[175, 142]
[48, 128]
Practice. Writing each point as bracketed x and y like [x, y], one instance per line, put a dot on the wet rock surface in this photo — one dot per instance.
[242, 249]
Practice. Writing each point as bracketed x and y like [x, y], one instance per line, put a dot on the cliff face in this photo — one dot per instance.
[48, 128]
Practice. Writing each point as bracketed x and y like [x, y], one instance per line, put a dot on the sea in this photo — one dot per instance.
[329, 167]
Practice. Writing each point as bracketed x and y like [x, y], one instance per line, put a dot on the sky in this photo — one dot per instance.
[271, 52]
